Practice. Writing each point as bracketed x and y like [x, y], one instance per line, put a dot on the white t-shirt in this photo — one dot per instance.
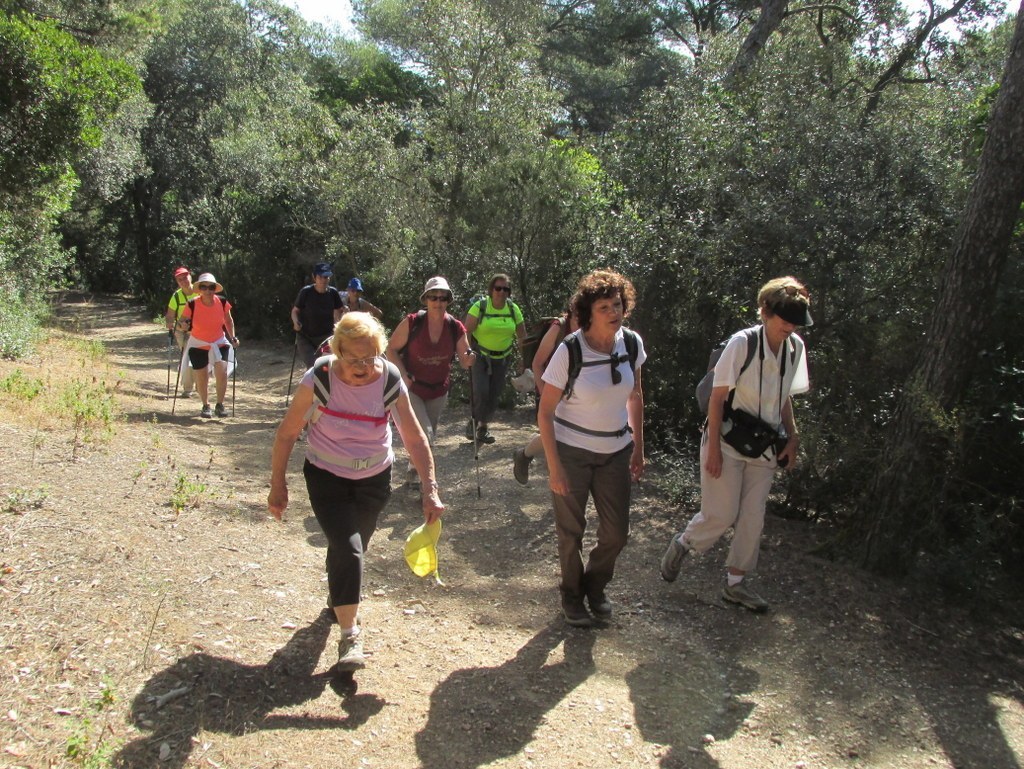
[596, 403]
[761, 381]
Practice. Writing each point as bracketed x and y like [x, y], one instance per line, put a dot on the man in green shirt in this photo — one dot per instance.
[179, 300]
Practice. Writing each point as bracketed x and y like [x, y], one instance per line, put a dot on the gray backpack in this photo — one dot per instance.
[707, 382]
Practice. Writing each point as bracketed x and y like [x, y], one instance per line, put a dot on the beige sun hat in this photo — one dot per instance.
[436, 283]
[207, 277]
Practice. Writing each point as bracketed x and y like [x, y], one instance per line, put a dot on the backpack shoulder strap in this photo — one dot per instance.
[322, 378]
[632, 346]
[481, 307]
[392, 383]
[453, 329]
[752, 343]
[572, 343]
[415, 324]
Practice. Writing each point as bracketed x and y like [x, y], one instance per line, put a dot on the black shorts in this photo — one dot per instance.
[200, 358]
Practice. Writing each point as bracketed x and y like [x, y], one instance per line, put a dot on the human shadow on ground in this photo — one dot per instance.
[677, 706]
[492, 712]
[201, 693]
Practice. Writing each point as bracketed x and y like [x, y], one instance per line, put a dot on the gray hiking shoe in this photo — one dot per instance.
[220, 411]
[350, 653]
[672, 561]
[521, 466]
[744, 596]
[206, 412]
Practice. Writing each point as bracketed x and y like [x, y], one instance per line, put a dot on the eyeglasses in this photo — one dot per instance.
[505, 289]
[359, 362]
[207, 287]
[437, 297]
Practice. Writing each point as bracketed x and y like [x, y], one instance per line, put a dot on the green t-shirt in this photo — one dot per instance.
[179, 300]
[495, 333]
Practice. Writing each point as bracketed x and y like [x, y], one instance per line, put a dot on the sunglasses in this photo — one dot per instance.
[359, 362]
[207, 287]
[615, 360]
[437, 297]
[505, 289]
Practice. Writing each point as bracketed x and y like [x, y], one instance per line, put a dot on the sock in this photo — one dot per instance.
[352, 632]
[733, 579]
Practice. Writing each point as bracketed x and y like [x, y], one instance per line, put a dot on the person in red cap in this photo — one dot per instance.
[179, 300]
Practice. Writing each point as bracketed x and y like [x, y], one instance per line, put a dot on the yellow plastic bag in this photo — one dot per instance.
[421, 550]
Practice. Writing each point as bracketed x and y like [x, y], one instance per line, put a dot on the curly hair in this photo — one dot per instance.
[358, 325]
[601, 284]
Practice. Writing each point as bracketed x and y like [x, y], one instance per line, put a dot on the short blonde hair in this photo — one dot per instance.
[358, 325]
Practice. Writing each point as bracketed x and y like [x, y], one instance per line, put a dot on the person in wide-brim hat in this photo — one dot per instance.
[422, 347]
[211, 342]
[207, 277]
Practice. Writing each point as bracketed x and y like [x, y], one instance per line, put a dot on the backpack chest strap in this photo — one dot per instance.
[355, 417]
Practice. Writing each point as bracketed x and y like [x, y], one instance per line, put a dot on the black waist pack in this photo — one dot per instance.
[749, 435]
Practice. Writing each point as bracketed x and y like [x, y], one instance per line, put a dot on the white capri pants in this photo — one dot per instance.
[736, 498]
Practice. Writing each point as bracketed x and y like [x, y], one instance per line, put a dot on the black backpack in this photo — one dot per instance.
[576, 364]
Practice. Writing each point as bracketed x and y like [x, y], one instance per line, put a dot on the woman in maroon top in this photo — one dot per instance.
[422, 346]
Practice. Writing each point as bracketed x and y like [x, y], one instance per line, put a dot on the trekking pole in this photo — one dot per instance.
[291, 374]
[234, 374]
[472, 421]
[170, 346]
[176, 380]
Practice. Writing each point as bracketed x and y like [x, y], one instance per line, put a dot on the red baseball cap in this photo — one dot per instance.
[181, 271]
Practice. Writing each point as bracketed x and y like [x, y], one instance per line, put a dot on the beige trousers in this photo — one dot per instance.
[735, 499]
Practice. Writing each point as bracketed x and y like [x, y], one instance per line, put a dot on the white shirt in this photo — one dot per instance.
[596, 403]
[758, 389]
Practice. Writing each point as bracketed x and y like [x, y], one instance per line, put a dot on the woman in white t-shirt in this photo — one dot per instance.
[594, 439]
[760, 369]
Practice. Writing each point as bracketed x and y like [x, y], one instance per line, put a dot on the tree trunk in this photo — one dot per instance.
[772, 14]
[906, 496]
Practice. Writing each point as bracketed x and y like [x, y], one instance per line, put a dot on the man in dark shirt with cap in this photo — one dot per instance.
[317, 308]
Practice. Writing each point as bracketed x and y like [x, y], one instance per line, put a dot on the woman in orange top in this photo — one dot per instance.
[211, 341]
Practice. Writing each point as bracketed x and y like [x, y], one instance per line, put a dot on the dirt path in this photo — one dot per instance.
[143, 637]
